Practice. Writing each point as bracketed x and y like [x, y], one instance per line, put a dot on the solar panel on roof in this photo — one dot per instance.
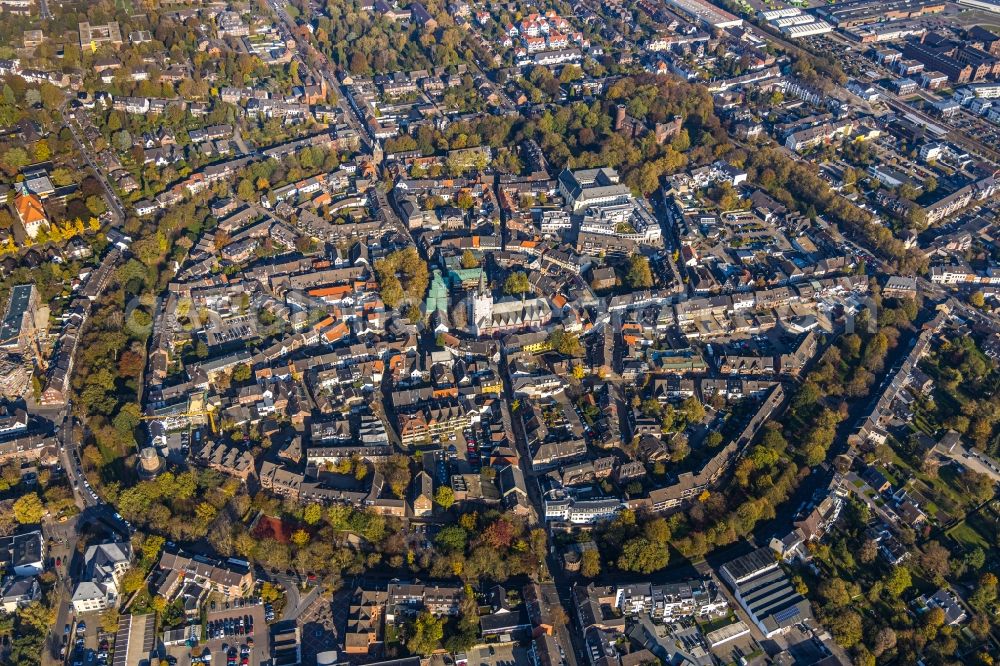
[787, 614]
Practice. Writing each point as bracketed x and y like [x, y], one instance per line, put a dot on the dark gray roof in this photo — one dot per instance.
[504, 621]
[750, 564]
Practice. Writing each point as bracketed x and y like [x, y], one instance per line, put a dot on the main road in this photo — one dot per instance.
[570, 636]
[63, 537]
[326, 68]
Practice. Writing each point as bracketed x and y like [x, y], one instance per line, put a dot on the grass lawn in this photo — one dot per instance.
[923, 425]
[948, 403]
[391, 634]
[890, 477]
[941, 497]
[942, 489]
[966, 535]
[984, 524]
[947, 484]
[718, 623]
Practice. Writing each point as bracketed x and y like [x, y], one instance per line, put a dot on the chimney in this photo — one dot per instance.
[619, 117]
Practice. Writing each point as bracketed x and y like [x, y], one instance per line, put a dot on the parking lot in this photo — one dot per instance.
[86, 644]
[501, 654]
[183, 655]
[233, 647]
[226, 621]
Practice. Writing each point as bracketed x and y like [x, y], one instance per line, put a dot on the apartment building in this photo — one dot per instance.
[104, 564]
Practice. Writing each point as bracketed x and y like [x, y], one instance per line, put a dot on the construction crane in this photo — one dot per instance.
[204, 413]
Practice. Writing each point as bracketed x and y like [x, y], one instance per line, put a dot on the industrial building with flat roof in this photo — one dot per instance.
[765, 592]
[793, 22]
[705, 13]
[18, 322]
[809, 29]
[860, 12]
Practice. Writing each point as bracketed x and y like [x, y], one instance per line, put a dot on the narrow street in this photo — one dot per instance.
[240, 141]
[572, 641]
[118, 209]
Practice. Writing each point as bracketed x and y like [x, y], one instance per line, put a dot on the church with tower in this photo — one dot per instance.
[488, 317]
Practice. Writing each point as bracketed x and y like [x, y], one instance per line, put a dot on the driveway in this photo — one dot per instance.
[974, 460]
[303, 604]
[318, 628]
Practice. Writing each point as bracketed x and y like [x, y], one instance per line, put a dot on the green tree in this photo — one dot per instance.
[109, 621]
[979, 486]
[898, 581]
[846, 628]
[245, 190]
[312, 514]
[52, 97]
[975, 558]
[28, 509]
[590, 563]
[444, 497]
[133, 581]
[916, 217]
[391, 290]
[713, 439]
[726, 196]
[61, 177]
[985, 593]
[469, 259]
[396, 471]
[128, 418]
[122, 140]
[408, 265]
[42, 151]
[835, 592]
[566, 343]
[96, 205]
[693, 410]
[241, 372]
[908, 191]
[641, 555]
[464, 200]
[151, 547]
[159, 604]
[570, 73]
[682, 141]
[639, 275]
[452, 539]
[425, 633]
[516, 283]
[15, 158]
